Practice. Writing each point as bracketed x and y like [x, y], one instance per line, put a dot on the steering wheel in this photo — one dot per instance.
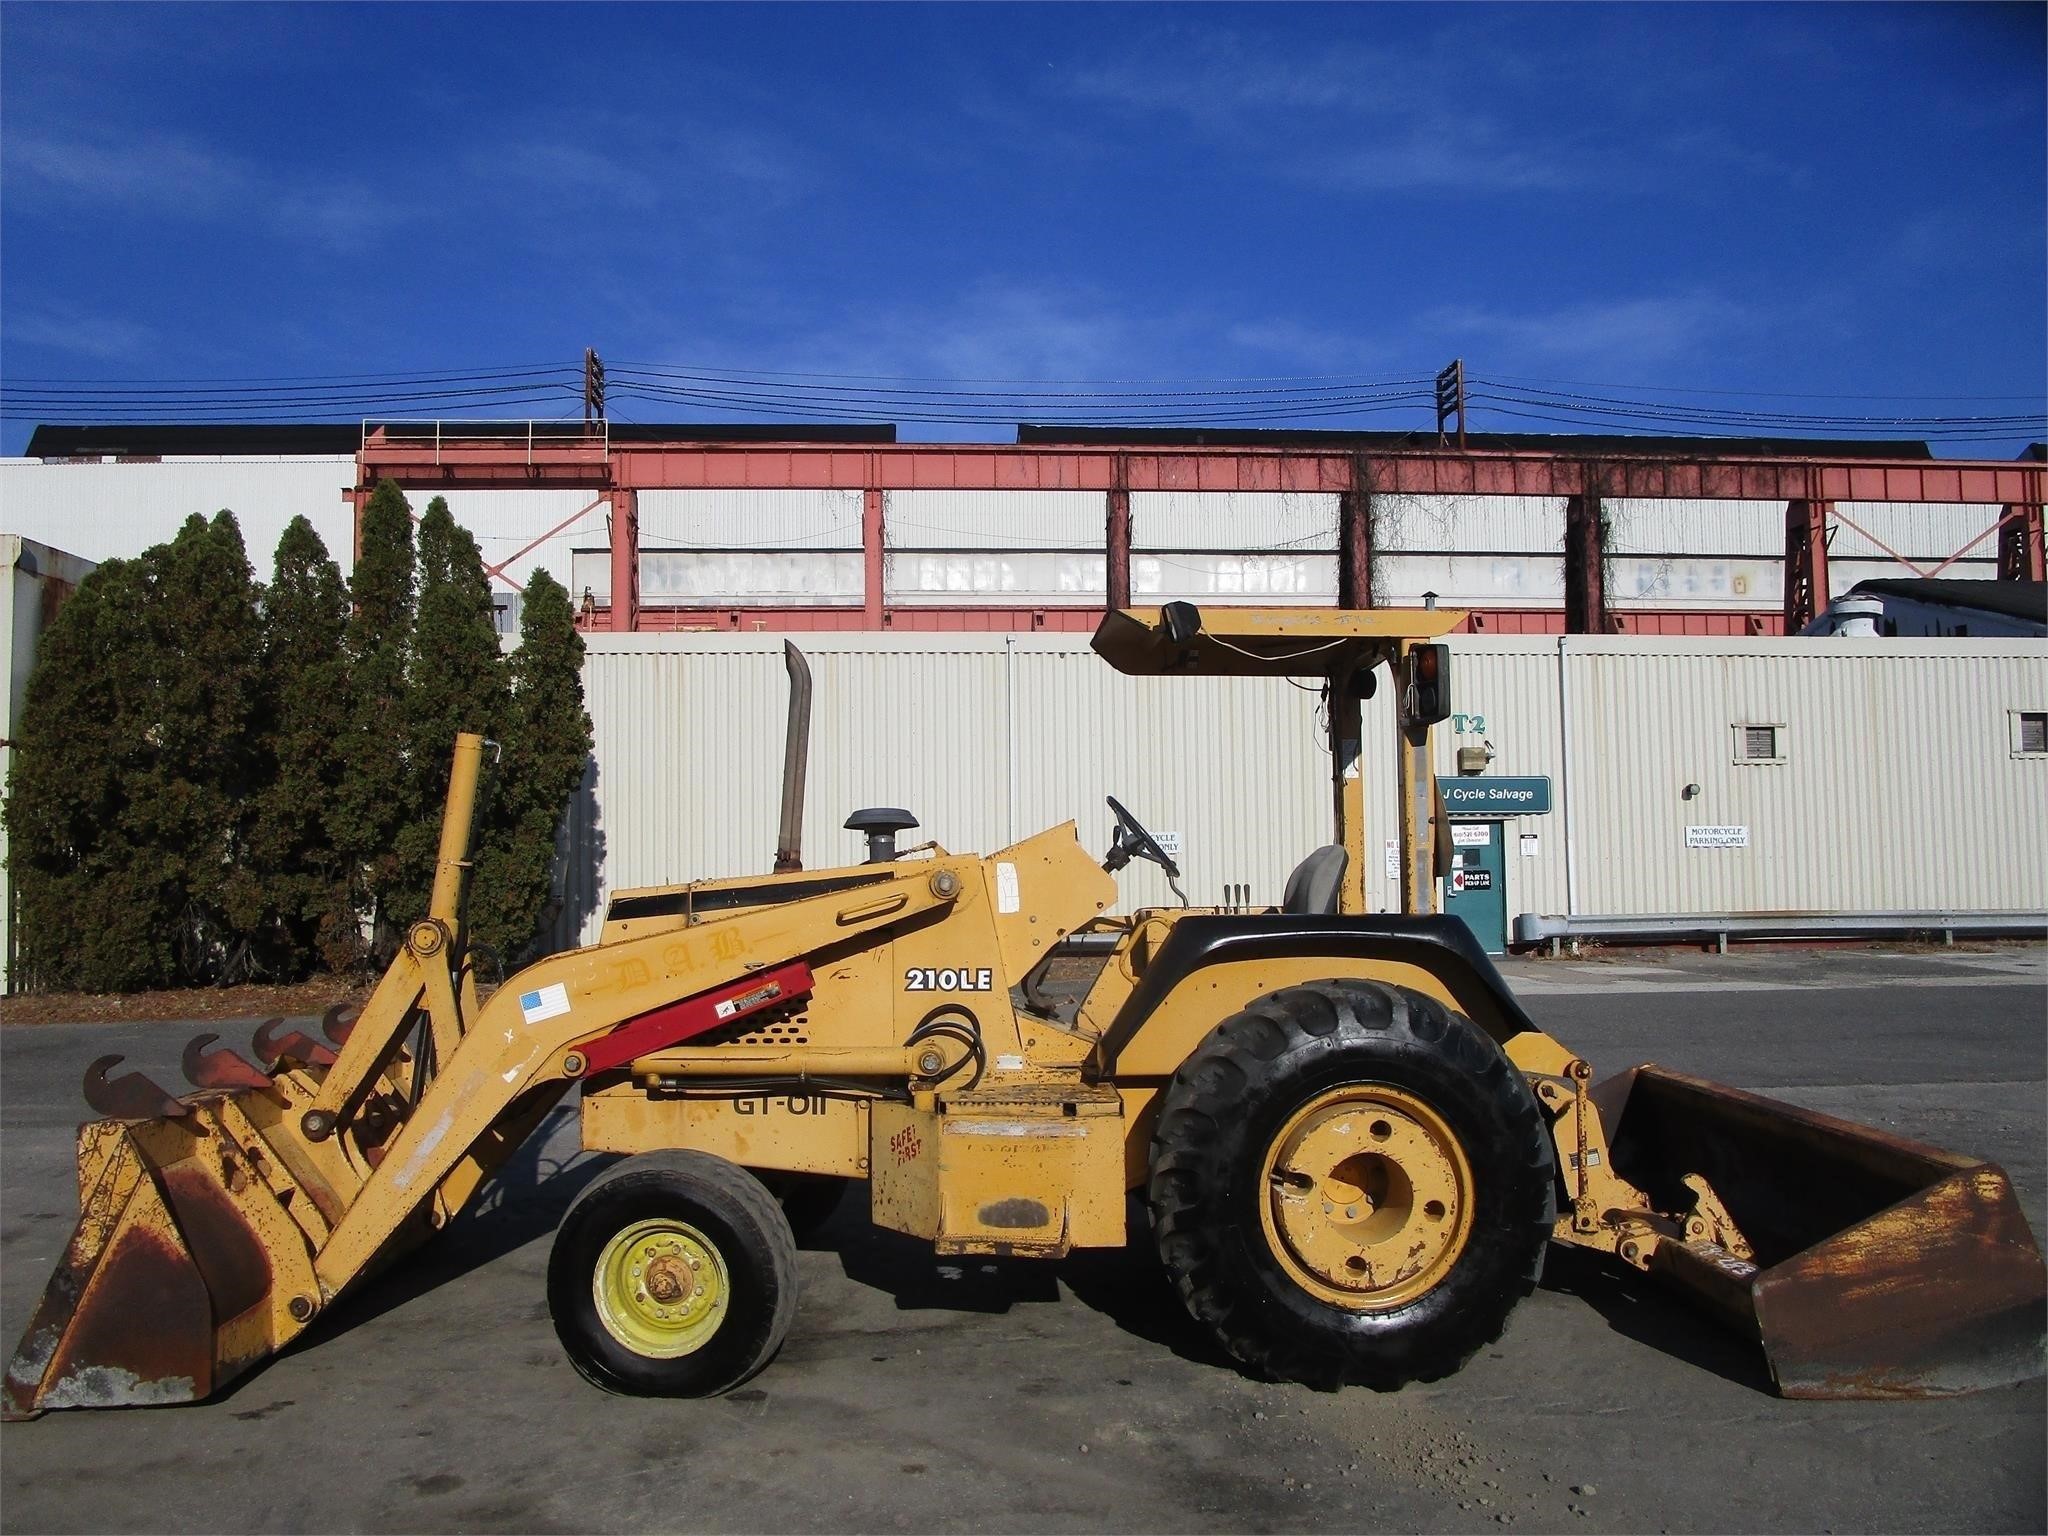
[1133, 841]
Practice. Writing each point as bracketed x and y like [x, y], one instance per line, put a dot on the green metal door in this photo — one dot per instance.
[1477, 888]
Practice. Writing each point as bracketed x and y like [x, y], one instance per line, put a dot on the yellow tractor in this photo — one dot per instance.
[1354, 1145]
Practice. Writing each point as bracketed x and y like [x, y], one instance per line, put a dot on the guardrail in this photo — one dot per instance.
[531, 437]
[1664, 928]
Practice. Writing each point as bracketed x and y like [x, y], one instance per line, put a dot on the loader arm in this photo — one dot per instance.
[516, 1048]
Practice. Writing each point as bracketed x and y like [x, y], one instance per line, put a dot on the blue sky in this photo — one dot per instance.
[1825, 200]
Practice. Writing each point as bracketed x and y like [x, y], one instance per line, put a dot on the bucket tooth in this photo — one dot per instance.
[338, 1023]
[131, 1096]
[274, 1048]
[219, 1069]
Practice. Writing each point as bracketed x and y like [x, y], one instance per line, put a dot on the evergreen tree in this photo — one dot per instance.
[306, 897]
[191, 800]
[212, 780]
[136, 766]
[457, 681]
[87, 914]
[375, 796]
[547, 744]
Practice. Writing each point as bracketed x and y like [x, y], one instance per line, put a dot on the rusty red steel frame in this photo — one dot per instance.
[618, 472]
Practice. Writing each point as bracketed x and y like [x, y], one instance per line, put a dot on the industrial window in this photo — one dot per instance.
[1759, 743]
[2030, 733]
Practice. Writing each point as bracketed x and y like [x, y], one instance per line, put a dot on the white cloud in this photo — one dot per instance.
[1219, 78]
[167, 176]
[1057, 342]
[67, 328]
[1454, 112]
[1298, 348]
[1451, 159]
[1619, 331]
[157, 173]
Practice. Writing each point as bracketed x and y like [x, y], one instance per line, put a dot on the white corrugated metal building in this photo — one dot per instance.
[1895, 774]
[38, 580]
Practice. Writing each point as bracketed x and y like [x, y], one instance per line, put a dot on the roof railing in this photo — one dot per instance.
[538, 437]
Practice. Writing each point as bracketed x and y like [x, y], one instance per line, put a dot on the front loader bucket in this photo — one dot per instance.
[192, 1259]
[214, 1227]
[1879, 1268]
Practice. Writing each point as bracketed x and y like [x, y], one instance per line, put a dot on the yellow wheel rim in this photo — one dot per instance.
[661, 1289]
[1366, 1197]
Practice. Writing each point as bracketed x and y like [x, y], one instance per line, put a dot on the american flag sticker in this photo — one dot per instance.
[547, 1003]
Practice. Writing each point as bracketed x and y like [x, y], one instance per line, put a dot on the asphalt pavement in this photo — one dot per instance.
[921, 1394]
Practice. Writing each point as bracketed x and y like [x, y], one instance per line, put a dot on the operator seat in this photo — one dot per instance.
[1312, 888]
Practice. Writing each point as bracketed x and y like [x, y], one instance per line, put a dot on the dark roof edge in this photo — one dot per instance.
[2012, 599]
[1615, 444]
[160, 439]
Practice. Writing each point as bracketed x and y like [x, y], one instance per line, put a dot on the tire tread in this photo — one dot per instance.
[1193, 1145]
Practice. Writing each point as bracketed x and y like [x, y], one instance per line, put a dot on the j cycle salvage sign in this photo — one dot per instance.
[1496, 796]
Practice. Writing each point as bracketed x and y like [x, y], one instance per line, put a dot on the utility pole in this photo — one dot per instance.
[593, 387]
[1450, 401]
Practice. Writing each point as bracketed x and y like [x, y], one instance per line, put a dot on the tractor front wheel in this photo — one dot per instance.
[1351, 1183]
[673, 1275]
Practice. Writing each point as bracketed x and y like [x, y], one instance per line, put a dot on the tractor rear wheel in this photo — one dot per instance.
[673, 1275]
[1351, 1183]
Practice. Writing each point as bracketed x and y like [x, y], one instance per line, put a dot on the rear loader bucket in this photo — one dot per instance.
[1880, 1267]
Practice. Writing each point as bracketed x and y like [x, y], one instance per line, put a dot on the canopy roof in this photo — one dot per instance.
[1266, 642]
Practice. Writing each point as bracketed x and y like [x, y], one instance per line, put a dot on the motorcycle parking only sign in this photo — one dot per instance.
[1717, 837]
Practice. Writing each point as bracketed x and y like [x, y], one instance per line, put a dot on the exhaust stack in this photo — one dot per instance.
[796, 757]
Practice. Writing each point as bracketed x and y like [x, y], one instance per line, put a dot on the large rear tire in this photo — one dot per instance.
[673, 1275]
[1351, 1183]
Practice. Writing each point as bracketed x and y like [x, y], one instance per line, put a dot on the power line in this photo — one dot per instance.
[1339, 383]
[504, 371]
[1751, 394]
[770, 373]
[1665, 409]
[754, 394]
